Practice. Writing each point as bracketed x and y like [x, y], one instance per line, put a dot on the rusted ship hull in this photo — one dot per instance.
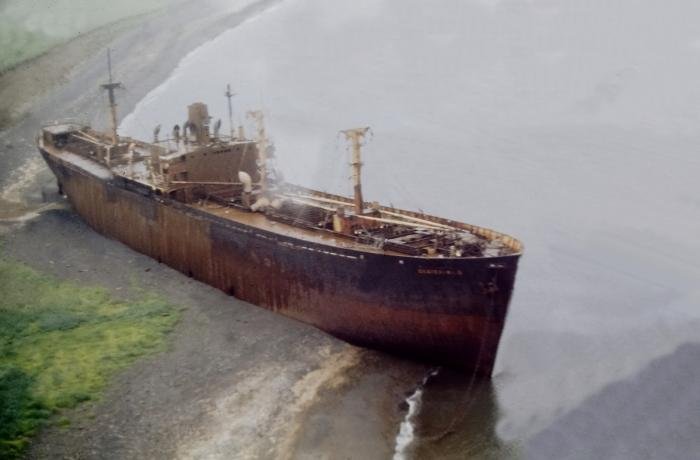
[444, 310]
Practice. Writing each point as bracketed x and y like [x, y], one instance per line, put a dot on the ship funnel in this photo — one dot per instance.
[198, 118]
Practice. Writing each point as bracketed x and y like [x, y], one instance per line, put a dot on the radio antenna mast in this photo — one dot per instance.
[110, 87]
[355, 137]
[229, 95]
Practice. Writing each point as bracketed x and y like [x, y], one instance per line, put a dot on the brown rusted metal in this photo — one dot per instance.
[427, 291]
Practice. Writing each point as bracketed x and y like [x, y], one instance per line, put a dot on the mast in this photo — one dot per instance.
[230, 95]
[262, 141]
[110, 87]
[355, 137]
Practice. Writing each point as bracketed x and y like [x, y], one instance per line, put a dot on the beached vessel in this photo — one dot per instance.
[209, 205]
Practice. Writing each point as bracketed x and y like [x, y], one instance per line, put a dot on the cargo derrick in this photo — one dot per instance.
[214, 207]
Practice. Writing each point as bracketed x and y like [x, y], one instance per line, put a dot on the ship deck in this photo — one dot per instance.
[260, 221]
[135, 169]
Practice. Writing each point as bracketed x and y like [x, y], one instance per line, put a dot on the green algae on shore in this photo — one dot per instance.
[60, 344]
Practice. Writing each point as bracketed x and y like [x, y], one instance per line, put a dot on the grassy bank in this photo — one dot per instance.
[60, 344]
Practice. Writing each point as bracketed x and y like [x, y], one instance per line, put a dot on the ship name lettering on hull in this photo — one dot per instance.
[439, 272]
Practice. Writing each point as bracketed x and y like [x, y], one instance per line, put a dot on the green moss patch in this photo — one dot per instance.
[60, 344]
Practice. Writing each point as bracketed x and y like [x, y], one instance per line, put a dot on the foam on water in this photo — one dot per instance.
[407, 430]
